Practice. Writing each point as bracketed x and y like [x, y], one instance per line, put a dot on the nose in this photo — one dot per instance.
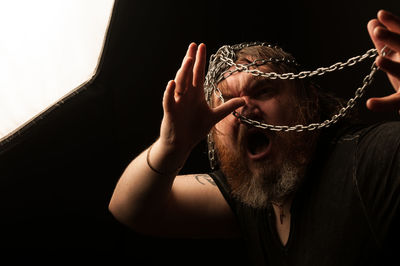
[250, 109]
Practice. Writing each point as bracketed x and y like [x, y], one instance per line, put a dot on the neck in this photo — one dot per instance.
[282, 210]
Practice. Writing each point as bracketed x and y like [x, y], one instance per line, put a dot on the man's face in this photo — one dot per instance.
[261, 165]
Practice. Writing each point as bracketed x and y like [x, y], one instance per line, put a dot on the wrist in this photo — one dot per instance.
[166, 159]
[177, 147]
[173, 172]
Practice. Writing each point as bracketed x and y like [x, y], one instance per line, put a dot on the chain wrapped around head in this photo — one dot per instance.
[222, 64]
[225, 58]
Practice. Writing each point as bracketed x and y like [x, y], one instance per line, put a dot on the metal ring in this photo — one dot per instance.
[385, 53]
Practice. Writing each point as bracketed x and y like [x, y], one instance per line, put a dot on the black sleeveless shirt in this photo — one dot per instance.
[347, 211]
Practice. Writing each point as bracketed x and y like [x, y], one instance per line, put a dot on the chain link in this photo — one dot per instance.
[221, 68]
[298, 128]
[301, 75]
[211, 151]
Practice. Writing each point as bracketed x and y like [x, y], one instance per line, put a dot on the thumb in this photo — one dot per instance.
[227, 108]
[387, 103]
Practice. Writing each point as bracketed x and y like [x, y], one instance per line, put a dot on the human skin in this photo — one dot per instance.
[181, 205]
[384, 30]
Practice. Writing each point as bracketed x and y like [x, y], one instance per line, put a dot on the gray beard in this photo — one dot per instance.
[267, 181]
[268, 186]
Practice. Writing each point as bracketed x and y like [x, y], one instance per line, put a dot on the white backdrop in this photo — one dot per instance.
[47, 49]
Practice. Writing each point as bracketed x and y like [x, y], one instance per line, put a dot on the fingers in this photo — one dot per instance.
[199, 66]
[387, 103]
[184, 76]
[385, 30]
[191, 74]
[191, 53]
[389, 66]
[391, 39]
[372, 24]
[169, 99]
[227, 108]
[390, 21]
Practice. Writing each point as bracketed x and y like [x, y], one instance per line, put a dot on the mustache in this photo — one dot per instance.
[250, 114]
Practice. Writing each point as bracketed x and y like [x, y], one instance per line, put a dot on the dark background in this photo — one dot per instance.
[57, 173]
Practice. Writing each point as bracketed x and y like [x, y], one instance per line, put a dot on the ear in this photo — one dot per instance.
[308, 99]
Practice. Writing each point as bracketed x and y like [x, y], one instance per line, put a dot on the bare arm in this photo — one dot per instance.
[161, 204]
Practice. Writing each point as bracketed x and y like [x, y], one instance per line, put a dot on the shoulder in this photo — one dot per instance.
[377, 157]
[377, 171]
[380, 139]
[224, 187]
[204, 179]
[362, 133]
[365, 150]
[219, 180]
[373, 146]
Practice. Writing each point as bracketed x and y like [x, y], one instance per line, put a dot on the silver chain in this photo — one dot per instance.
[298, 128]
[301, 75]
[220, 67]
[226, 61]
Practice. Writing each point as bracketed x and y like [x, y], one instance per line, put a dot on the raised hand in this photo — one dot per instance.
[385, 32]
[187, 116]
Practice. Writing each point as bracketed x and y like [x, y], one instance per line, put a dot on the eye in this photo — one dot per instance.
[265, 93]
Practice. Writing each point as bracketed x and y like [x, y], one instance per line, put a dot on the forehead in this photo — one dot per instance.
[243, 82]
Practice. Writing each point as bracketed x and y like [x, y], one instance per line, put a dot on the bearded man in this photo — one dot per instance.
[325, 196]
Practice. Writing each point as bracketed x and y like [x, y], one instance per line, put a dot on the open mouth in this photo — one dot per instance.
[257, 144]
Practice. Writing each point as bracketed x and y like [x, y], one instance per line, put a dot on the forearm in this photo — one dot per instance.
[141, 193]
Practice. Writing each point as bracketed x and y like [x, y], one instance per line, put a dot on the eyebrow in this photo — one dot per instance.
[260, 82]
[244, 61]
[256, 84]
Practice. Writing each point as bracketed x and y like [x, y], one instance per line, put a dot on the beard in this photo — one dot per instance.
[275, 180]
